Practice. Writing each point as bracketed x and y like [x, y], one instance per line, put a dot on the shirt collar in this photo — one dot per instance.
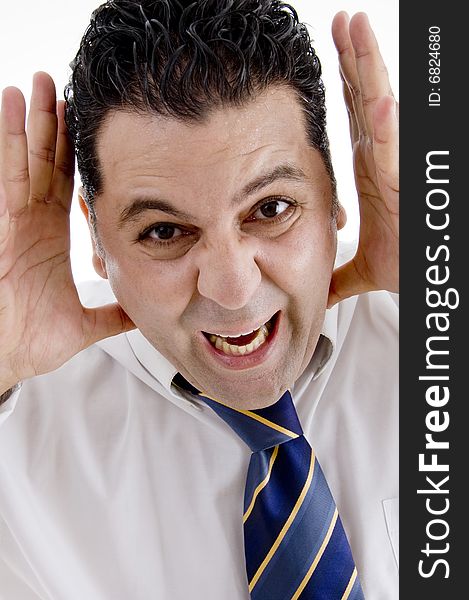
[151, 359]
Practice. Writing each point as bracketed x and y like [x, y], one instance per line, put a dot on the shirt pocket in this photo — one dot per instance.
[391, 516]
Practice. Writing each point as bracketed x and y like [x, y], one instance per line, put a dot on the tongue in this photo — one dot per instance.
[243, 340]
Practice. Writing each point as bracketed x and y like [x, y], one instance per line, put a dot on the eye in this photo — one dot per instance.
[163, 232]
[167, 240]
[273, 210]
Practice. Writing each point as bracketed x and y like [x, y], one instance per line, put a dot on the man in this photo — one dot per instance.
[200, 135]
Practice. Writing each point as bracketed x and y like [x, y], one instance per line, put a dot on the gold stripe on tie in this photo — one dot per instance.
[261, 486]
[286, 527]
[271, 424]
[317, 558]
[253, 415]
[348, 589]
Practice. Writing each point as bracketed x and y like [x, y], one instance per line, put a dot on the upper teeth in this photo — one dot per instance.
[235, 336]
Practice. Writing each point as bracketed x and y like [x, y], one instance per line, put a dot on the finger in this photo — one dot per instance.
[14, 172]
[4, 223]
[348, 67]
[61, 189]
[352, 119]
[386, 150]
[372, 73]
[42, 135]
[106, 321]
[347, 281]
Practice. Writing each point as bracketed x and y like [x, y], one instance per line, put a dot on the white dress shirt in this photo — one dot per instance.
[114, 486]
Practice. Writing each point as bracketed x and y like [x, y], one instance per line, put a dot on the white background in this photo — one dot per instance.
[38, 35]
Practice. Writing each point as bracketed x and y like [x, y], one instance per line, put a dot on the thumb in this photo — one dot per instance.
[106, 321]
[346, 281]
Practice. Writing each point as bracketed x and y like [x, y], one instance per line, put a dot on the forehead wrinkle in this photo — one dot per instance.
[254, 150]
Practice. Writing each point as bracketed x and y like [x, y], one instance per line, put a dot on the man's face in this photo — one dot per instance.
[217, 230]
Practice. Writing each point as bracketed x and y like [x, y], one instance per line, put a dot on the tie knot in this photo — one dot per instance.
[261, 428]
[264, 427]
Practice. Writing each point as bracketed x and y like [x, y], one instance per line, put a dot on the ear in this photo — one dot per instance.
[341, 217]
[98, 261]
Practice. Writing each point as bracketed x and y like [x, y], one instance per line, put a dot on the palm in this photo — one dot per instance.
[38, 290]
[379, 218]
[374, 134]
[42, 321]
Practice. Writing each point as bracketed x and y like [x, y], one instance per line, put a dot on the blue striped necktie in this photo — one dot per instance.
[295, 544]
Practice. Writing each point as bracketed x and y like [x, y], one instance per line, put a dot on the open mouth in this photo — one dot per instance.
[242, 344]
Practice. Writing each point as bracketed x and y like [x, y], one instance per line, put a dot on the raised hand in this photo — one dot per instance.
[373, 117]
[42, 322]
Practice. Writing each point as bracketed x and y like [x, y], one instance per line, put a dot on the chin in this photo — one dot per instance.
[246, 394]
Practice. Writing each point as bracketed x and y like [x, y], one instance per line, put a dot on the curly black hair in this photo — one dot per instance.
[183, 58]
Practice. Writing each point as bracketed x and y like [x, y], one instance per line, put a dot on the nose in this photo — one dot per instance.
[228, 273]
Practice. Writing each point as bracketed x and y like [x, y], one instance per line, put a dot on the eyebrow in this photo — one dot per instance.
[133, 211]
[284, 171]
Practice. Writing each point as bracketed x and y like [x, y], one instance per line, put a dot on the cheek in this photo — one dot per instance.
[153, 293]
[302, 263]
